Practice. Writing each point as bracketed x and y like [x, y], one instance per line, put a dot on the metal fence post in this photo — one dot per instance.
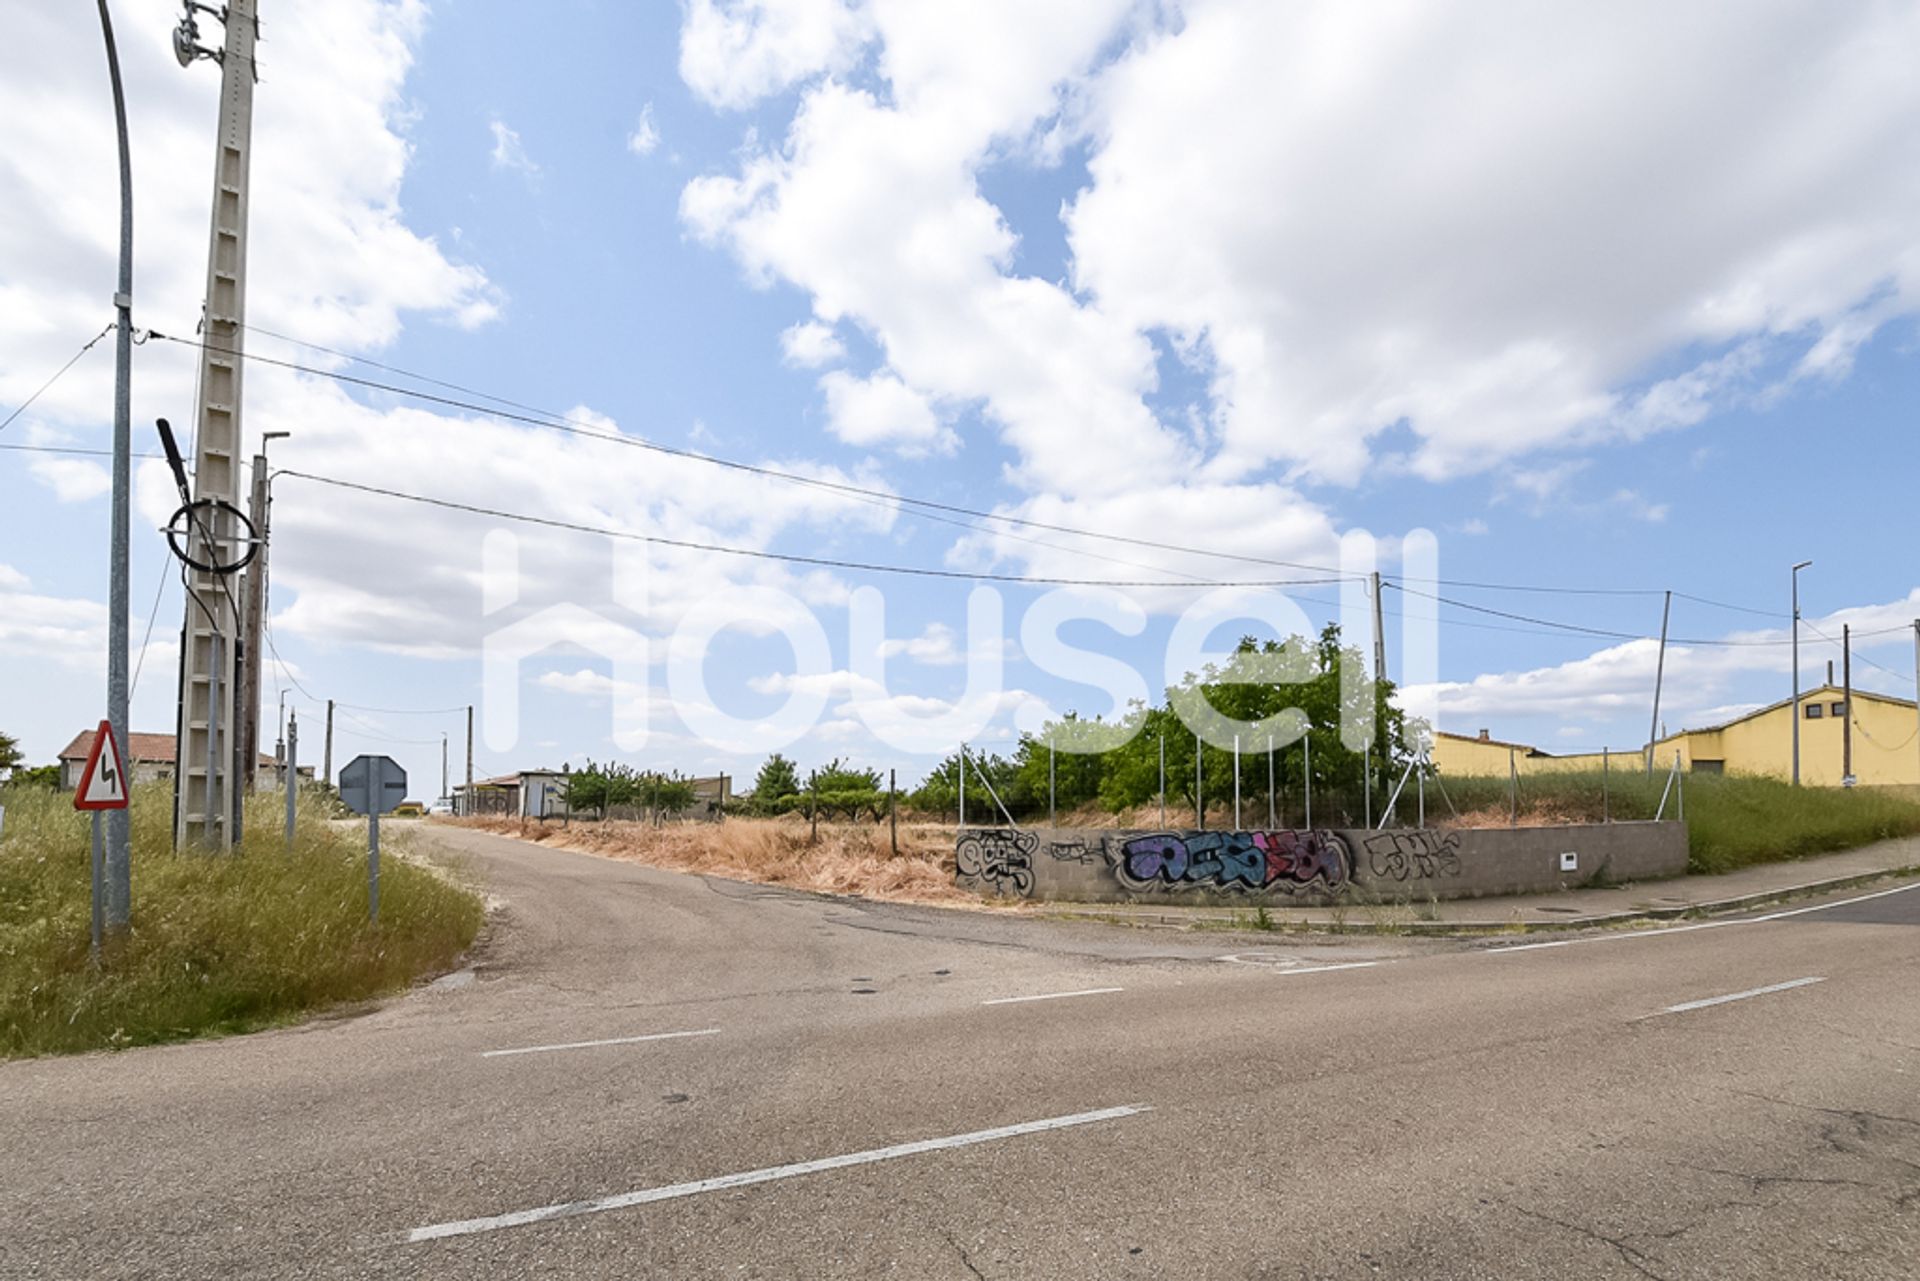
[1366, 785]
[1306, 771]
[1513, 789]
[1052, 821]
[1606, 778]
[1199, 802]
[1271, 819]
[293, 771]
[893, 813]
[1236, 782]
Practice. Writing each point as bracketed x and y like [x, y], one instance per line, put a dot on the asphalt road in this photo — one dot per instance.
[835, 1089]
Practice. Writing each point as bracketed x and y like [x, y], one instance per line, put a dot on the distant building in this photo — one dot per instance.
[542, 793]
[534, 793]
[1758, 743]
[150, 757]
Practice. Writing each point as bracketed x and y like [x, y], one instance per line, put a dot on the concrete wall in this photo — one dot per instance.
[1092, 865]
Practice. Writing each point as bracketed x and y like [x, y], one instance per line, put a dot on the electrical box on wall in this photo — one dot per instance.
[1569, 862]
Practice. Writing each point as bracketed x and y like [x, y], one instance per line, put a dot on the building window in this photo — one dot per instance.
[1815, 711]
[1701, 766]
[1839, 709]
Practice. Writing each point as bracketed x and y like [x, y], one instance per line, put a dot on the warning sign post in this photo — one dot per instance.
[103, 786]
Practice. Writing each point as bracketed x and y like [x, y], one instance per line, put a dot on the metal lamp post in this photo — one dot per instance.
[1795, 575]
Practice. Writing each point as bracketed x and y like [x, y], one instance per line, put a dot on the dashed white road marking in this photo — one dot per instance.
[1684, 1006]
[571, 1209]
[1668, 931]
[1052, 996]
[1323, 969]
[588, 1045]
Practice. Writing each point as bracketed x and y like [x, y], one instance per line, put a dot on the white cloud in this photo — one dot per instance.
[734, 52]
[508, 151]
[333, 259]
[1619, 679]
[645, 136]
[11, 578]
[72, 480]
[1462, 228]
[935, 647]
[810, 344]
[882, 410]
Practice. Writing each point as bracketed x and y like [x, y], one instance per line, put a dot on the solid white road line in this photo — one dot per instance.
[1684, 1006]
[1667, 931]
[1323, 969]
[598, 1205]
[588, 1045]
[1052, 996]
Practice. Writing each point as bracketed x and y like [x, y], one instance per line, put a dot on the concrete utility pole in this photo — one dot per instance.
[1659, 678]
[327, 751]
[444, 793]
[1796, 669]
[1846, 714]
[253, 603]
[293, 773]
[468, 807]
[204, 775]
[117, 857]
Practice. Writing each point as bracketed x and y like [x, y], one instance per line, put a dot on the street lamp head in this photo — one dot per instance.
[1802, 565]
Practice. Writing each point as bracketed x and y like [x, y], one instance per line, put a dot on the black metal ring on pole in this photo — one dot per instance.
[194, 512]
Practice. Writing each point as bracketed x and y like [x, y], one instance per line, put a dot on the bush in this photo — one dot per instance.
[1733, 820]
[218, 943]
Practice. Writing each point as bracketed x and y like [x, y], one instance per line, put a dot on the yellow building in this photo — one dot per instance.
[1885, 750]
[1487, 757]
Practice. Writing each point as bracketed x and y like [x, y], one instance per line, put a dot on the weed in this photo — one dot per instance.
[217, 943]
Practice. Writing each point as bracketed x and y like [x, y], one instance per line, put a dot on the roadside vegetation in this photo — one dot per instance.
[1733, 821]
[218, 943]
[834, 858]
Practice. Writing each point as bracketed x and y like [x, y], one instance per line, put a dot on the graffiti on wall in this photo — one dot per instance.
[1244, 861]
[1419, 855]
[1000, 859]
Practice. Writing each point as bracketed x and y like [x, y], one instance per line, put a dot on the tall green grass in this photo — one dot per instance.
[218, 943]
[1733, 821]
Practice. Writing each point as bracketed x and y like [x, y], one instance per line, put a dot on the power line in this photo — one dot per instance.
[828, 562]
[69, 449]
[1601, 631]
[57, 375]
[557, 422]
[405, 711]
[519, 411]
[1905, 676]
[266, 626]
[145, 640]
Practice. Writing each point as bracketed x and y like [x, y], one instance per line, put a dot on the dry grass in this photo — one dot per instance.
[848, 858]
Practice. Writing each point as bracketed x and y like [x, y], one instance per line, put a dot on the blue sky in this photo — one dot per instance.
[1592, 298]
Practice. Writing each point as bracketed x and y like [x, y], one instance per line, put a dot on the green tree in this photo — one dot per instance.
[35, 776]
[939, 792]
[10, 756]
[839, 788]
[599, 787]
[778, 777]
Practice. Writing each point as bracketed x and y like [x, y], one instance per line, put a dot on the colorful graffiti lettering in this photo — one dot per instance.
[1284, 860]
[1421, 855]
[1000, 860]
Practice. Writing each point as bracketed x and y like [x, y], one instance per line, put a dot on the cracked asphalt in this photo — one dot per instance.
[1358, 1108]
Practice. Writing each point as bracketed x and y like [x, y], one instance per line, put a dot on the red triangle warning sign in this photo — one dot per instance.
[103, 784]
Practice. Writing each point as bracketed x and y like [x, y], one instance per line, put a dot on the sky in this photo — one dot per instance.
[1612, 300]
